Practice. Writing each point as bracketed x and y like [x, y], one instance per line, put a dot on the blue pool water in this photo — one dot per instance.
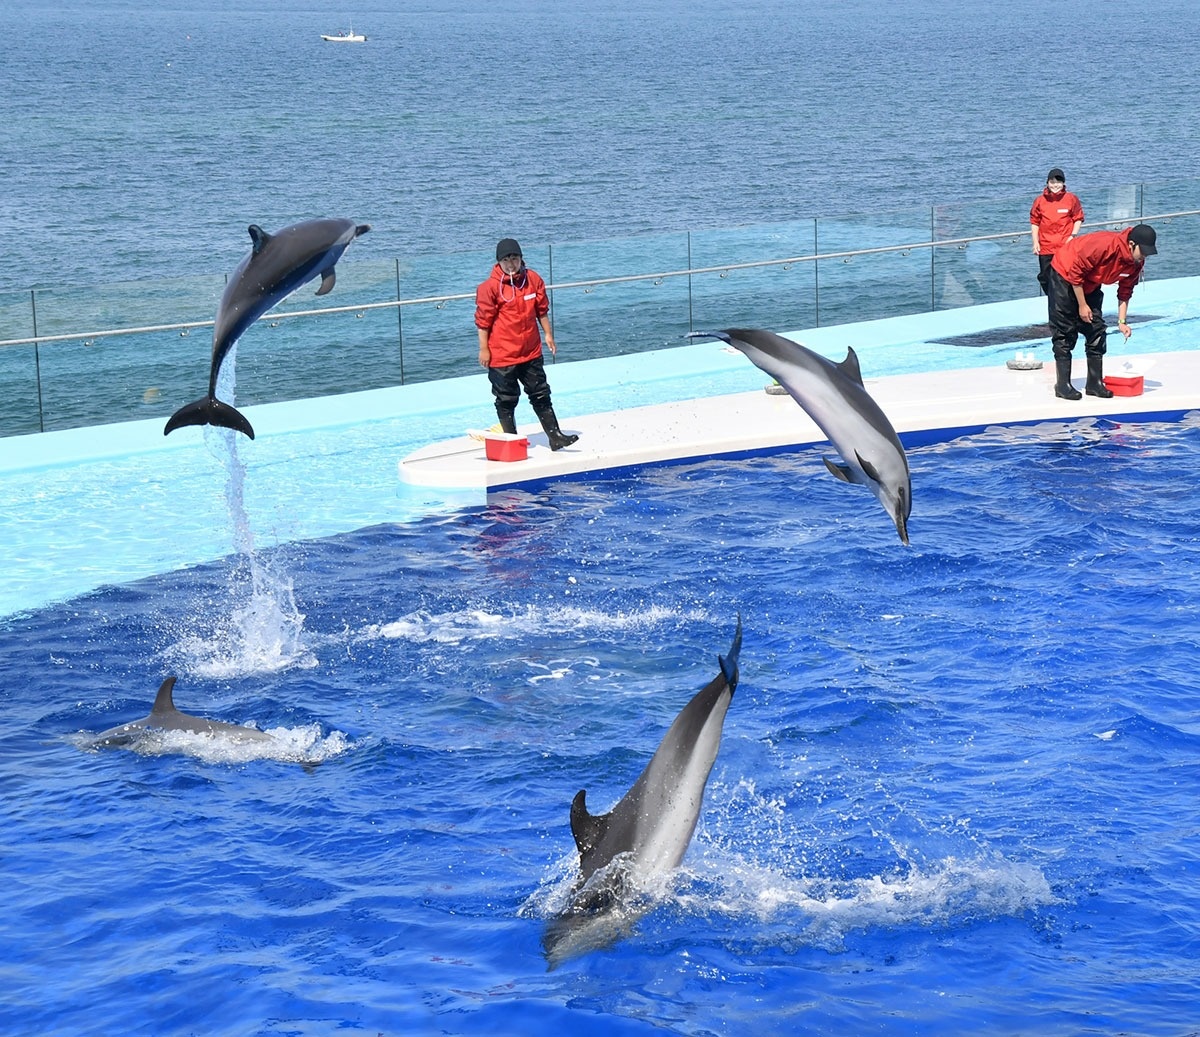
[956, 791]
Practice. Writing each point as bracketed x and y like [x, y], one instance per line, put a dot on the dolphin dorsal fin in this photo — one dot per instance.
[587, 828]
[849, 367]
[328, 277]
[259, 236]
[163, 701]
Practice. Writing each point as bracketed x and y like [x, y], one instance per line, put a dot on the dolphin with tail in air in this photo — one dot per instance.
[648, 832]
[277, 265]
[834, 396]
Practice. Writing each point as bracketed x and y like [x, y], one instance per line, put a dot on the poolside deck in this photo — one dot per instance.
[923, 408]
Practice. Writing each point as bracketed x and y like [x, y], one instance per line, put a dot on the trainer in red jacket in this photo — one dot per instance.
[1078, 273]
[509, 307]
[1054, 218]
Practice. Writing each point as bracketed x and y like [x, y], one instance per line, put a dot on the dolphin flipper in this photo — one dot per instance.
[208, 410]
[841, 471]
[328, 277]
[867, 467]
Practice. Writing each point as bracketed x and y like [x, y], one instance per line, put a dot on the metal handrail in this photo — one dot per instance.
[593, 283]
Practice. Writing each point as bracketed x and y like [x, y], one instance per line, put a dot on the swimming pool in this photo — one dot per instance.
[955, 792]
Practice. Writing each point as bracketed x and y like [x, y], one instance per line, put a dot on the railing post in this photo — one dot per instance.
[932, 260]
[399, 321]
[550, 292]
[37, 361]
[816, 278]
[691, 325]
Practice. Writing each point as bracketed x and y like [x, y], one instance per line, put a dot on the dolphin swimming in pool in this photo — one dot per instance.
[165, 717]
[277, 265]
[834, 396]
[647, 833]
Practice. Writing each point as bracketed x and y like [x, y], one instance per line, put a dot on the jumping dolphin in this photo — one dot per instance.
[647, 833]
[165, 717]
[834, 396]
[277, 265]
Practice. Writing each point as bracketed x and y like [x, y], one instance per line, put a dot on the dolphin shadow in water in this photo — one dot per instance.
[277, 265]
[834, 396]
[165, 717]
[647, 833]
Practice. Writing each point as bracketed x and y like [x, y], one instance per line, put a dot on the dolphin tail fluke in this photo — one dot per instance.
[209, 411]
[729, 661]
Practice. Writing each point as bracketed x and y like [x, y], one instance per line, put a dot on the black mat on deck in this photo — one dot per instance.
[1021, 333]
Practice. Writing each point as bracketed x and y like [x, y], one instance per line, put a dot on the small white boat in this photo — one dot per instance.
[349, 36]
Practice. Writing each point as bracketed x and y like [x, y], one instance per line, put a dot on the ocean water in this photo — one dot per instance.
[143, 138]
[956, 790]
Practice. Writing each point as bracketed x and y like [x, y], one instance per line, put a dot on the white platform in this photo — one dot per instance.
[922, 407]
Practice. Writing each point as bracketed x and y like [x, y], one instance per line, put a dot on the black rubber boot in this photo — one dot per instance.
[508, 421]
[557, 437]
[1063, 389]
[1095, 380]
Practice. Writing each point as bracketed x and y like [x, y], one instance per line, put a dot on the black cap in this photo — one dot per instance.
[507, 247]
[1056, 174]
[1143, 235]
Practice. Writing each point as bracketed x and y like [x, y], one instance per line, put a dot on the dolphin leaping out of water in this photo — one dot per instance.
[834, 396]
[165, 717]
[277, 265]
[647, 833]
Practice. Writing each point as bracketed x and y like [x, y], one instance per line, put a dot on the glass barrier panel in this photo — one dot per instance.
[16, 315]
[439, 339]
[120, 378]
[626, 317]
[128, 304]
[749, 244]
[21, 413]
[885, 284]
[781, 298]
[1178, 238]
[293, 358]
[18, 367]
[975, 272]
[618, 319]
[1122, 204]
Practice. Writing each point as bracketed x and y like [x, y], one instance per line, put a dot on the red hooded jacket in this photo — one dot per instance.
[1054, 215]
[508, 308]
[1102, 257]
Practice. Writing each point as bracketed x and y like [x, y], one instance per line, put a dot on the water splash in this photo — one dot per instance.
[307, 744]
[258, 627]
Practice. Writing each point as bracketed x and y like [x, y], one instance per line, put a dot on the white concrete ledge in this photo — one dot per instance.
[923, 408]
